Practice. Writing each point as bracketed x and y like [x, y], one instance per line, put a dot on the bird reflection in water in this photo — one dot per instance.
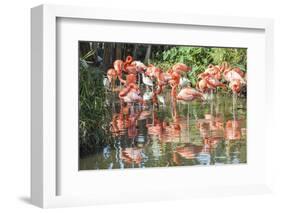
[178, 134]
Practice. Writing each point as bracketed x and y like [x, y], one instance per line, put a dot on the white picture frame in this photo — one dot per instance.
[44, 155]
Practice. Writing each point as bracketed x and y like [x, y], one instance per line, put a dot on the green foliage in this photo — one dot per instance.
[83, 63]
[94, 118]
[199, 58]
[234, 56]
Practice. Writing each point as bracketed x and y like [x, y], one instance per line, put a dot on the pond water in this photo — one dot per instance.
[176, 134]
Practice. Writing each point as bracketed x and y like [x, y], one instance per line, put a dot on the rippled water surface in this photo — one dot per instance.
[176, 134]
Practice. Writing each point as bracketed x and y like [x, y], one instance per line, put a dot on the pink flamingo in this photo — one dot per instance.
[129, 67]
[239, 71]
[190, 94]
[131, 92]
[235, 79]
[174, 82]
[211, 81]
[186, 94]
[233, 74]
[202, 85]
[181, 68]
[235, 86]
[157, 73]
[215, 71]
[118, 66]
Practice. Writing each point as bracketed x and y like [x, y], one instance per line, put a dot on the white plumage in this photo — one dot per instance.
[146, 80]
[184, 82]
[147, 96]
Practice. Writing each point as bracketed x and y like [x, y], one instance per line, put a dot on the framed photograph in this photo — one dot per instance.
[131, 106]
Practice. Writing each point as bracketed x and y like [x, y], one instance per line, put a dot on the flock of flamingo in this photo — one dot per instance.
[155, 80]
[212, 129]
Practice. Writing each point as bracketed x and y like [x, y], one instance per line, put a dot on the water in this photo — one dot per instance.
[177, 134]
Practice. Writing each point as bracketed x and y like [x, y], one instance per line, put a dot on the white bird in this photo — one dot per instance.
[147, 95]
[184, 82]
[106, 83]
[146, 80]
[161, 99]
[140, 66]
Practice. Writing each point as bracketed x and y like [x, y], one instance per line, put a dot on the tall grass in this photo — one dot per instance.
[94, 116]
